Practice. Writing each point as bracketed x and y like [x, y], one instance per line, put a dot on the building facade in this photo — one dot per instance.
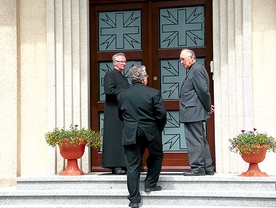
[45, 80]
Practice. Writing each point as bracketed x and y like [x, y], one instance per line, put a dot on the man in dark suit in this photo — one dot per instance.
[144, 117]
[114, 83]
[195, 109]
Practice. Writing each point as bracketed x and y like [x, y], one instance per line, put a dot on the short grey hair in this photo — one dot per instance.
[114, 57]
[136, 73]
[189, 52]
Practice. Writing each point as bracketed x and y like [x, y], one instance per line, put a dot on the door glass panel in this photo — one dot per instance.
[182, 27]
[172, 76]
[173, 134]
[120, 30]
[105, 67]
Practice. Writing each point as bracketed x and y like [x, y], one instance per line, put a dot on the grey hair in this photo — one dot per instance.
[116, 55]
[189, 52]
[136, 73]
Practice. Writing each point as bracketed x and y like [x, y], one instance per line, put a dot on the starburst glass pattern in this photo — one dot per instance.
[173, 137]
[172, 76]
[182, 27]
[105, 67]
[120, 30]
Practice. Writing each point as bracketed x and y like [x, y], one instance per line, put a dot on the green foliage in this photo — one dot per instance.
[250, 141]
[74, 136]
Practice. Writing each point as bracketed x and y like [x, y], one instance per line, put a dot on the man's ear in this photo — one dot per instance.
[144, 81]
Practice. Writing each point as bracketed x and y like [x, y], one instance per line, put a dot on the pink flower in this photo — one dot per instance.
[76, 125]
[242, 131]
[254, 129]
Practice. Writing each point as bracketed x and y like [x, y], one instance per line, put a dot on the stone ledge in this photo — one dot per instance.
[7, 183]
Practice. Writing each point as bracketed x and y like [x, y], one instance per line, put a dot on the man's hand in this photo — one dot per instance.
[212, 110]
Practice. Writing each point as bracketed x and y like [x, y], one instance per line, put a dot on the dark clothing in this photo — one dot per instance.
[141, 106]
[112, 154]
[198, 148]
[144, 117]
[133, 157]
[195, 103]
[195, 98]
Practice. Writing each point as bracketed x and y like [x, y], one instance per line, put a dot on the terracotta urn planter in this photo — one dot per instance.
[253, 159]
[252, 146]
[72, 144]
[72, 153]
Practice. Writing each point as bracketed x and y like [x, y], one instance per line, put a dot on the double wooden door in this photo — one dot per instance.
[151, 33]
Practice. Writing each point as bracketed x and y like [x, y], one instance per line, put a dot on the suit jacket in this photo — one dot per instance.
[195, 99]
[141, 106]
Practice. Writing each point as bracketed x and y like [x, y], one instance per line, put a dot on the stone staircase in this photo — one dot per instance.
[104, 190]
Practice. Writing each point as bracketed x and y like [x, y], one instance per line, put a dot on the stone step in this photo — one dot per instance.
[118, 197]
[105, 191]
[119, 206]
[168, 182]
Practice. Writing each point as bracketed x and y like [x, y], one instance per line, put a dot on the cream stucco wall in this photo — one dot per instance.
[44, 82]
[264, 73]
[23, 89]
[8, 92]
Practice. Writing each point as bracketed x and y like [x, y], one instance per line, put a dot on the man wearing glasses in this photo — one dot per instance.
[114, 83]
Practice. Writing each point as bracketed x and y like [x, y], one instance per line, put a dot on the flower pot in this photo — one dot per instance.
[72, 153]
[253, 159]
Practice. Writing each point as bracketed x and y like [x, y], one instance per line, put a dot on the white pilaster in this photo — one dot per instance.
[244, 76]
[233, 81]
[8, 91]
[68, 70]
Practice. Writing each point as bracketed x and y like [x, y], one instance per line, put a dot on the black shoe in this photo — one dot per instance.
[210, 173]
[156, 188]
[133, 205]
[118, 171]
[193, 174]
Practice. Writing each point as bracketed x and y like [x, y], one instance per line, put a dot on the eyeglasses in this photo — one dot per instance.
[146, 76]
[121, 62]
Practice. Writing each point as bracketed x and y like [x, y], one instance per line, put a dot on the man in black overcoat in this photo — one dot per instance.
[114, 83]
[144, 117]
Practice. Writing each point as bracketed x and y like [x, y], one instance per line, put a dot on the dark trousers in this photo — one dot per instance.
[133, 157]
[198, 148]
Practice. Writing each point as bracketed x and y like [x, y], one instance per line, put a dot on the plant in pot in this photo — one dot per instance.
[72, 144]
[252, 146]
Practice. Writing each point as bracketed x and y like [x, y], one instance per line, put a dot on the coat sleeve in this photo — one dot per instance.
[160, 112]
[110, 87]
[201, 85]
